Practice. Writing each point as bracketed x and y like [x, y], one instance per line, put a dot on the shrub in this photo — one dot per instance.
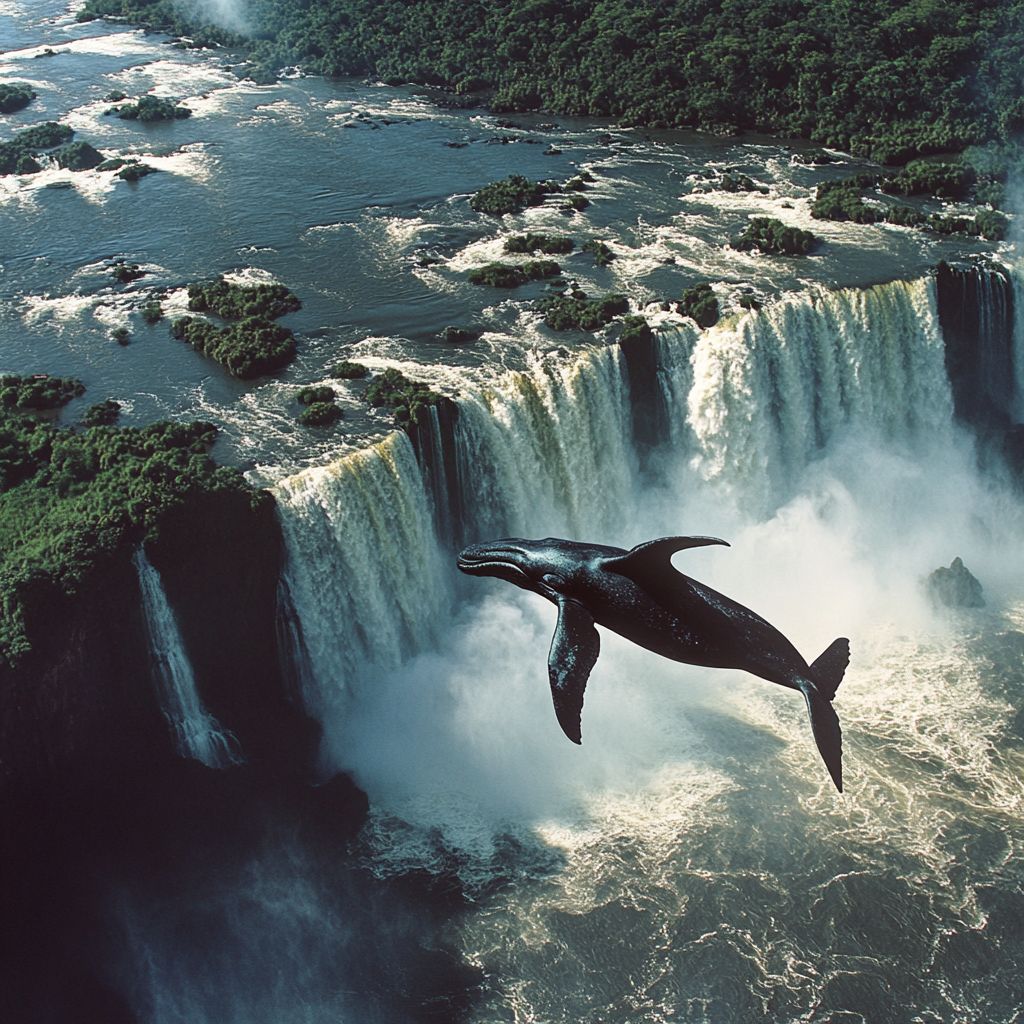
[149, 109]
[921, 177]
[771, 236]
[152, 312]
[349, 371]
[992, 225]
[125, 273]
[841, 200]
[18, 155]
[236, 301]
[579, 312]
[23, 394]
[319, 394]
[77, 156]
[700, 304]
[407, 399]
[601, 253]
[635, 329]
[550, 245]
[14, 96]
[512, 195]
[133, 171]
[103, 414]
[507, 275]
[320, 414]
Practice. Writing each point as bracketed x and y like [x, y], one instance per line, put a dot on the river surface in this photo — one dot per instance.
[691, 862]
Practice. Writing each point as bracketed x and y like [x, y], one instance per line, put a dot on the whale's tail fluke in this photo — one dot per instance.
[828, 736]
[828, 670]
[826, 674]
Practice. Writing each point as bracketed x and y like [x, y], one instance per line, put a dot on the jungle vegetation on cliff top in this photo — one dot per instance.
[71, 499]
[883, 78]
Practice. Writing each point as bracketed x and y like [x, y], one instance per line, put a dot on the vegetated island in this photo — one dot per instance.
[18, 156]
[578, 311]
[700, 304]
[250, 344]
[882, 79]
[149, 109]
[70, 499]
[511, 275]
[531, 242]
[772, 237]
[15, 96]
[321, 408]
[409, 400]
[843, 200]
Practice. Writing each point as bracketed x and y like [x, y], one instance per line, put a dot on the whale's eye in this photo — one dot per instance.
[553, 581]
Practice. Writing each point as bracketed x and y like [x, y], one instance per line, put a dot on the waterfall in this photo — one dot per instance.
[364, 569]
[773, 387]
[976, 311]
[549, 450]
[553, 450]
[1017, 283]
[198, 734]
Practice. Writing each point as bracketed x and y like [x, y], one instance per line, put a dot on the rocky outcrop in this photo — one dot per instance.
[955, 586]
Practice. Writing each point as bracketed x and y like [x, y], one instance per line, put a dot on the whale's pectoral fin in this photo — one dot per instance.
[828, 736]
[574, 650]
[650, 563]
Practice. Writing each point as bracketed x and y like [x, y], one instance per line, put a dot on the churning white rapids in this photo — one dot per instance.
[692, 862]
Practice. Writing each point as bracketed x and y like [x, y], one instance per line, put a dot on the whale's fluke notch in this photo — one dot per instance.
[828, 669]
[574, 650]
[828, 736]
[651, 563]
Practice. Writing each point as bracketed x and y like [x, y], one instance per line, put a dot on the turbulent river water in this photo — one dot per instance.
[691, 862]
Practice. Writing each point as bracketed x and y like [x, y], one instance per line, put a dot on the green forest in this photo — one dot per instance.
[69, 498]
[883, 79]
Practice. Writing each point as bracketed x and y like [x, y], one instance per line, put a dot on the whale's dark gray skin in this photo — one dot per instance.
[640, 595]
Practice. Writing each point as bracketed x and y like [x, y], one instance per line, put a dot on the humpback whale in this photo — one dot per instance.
[641, 596]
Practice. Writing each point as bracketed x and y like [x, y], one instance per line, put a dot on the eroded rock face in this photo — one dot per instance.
[955, 586]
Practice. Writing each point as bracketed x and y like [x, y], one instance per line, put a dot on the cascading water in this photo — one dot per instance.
[197, 733]
[549, 449]
[819, 437]
[364, 568]
[771, 390]
[976, 311]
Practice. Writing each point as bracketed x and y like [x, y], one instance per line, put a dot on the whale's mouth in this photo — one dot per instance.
[499, 562]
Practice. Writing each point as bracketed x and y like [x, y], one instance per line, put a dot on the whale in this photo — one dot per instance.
[639, 594]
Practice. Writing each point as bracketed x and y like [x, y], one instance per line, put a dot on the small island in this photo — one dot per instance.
[320, 409]
[407, 399]
[508, 275]
[700, 304]
[251, 344]
[19, 155]
[512, 195]
[15, 96]
[772, 237]
[577, 311]
[549, 245]
[149, 109]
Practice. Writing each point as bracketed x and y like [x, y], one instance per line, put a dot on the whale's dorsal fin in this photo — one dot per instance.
[574, 650]
[649, 563]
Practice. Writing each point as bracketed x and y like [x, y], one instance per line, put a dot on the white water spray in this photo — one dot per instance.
[198, 734]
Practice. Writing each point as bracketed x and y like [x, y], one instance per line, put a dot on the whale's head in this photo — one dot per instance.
[543, 566]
